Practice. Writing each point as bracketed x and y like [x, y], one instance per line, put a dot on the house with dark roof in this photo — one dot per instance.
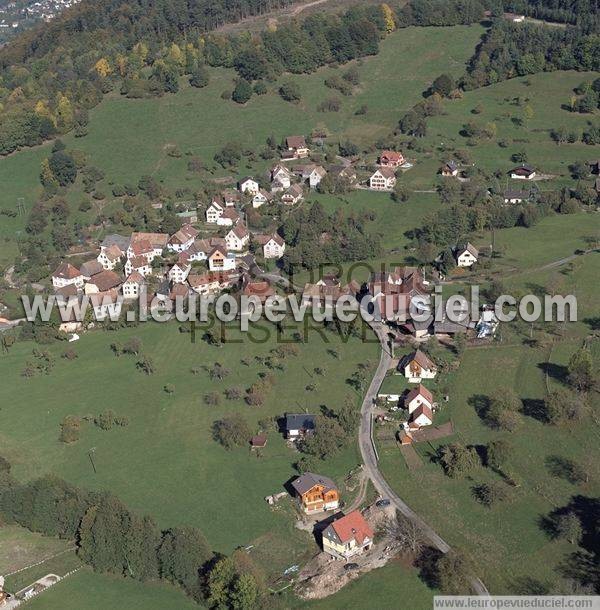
[523, 172]
[449, 169]
[466, 255]
[298, 425]
[66, 274]
[316, 493]
[348, 536]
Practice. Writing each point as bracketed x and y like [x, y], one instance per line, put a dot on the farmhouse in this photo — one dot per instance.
[523, 172]
[248, 185]
[110, 256]
[348, 536]
[158, 241]
[316, 493]
[417, 366]
[132, 285]
[237, 239]
[383, 179]
[449, 169]
[66, 275]
[515, 196]
[103, 282]
[298, 425]
[273, 246]
[228, 218]
[90, 268]
[296, 148]
[391, 158]
[293, 195]
[467, 255]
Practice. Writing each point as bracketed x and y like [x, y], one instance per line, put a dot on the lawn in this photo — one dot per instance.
[506, 541]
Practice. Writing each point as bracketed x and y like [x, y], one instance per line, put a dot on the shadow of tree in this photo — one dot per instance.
[556, 371]
[535, 408]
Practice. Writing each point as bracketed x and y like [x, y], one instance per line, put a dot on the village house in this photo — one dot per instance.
[261, 289]
[417, 398]
[139, 264]
[179, 272]
[261, 198]
[132, 285]
[326, 292]
[106, 305]
[311, 173]
[237, 239]
[296, 148]
[110, 257]
[391, 158]
[65, 275]
[523, 172]
[90, 268]
[515, 196]
[384, 179]
[230, 198]
[417, 366]
[316, 493]
[348, 536]
[293, 195]
[103, 282]
[229, 218]
[273, 246]
[210, 283]
[183, 239]
[221, 260]
[298, 425]
[158, 242]
[449, 169]
[467, 255]
[214, 211]
[248, 185]
[282, 176]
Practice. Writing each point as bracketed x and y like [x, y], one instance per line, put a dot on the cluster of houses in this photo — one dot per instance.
[180, 264]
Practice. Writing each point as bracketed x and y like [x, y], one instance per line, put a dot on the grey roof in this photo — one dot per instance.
[515, 194]
[308, 480]
[299, 421]
[115, 239]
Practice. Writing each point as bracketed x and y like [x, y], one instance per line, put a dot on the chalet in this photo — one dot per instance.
[293, 195]
[228, 218]
[106, 305]
[90, 268]
[237, 238]
[449, 169]
[296, 148]
[248, 185]
[316, 493]
[416, 367]
[384, 179]
[221, 260]
[132, 285]
[282, 175]
[391, 158]
[179, 272]
[298, 425]
[417, 397]
[515, 196]
[466, 256]
[523, 172]
[273, 246]
[139, 264]
[103, 282]
[214, 212]
[65, 275]
[261, 198]
[110, 256]
[182, 239]
[348, 536]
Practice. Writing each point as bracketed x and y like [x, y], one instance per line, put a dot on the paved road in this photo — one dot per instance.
[370, 458]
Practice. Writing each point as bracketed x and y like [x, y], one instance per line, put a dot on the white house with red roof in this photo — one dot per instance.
[419, 402]
[183, 239]
[139, 264]
[67, 275]
[391, 158]
[384, 179]
[417, 366]
[237, 238]
[273, 246]
[110, 256]
[132, 285]
[249, 185]
[179, 272]
[348, 536]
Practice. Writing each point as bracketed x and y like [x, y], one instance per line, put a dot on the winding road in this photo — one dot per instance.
[370, 458]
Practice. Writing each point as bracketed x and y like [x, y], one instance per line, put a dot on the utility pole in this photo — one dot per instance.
[90, 455]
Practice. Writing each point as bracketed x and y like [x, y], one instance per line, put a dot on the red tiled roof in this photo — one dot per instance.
[66, 271]
[420, 390]
[352, 526]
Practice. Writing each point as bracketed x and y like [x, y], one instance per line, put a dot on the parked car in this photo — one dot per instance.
[383, 502]
[351, 566]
